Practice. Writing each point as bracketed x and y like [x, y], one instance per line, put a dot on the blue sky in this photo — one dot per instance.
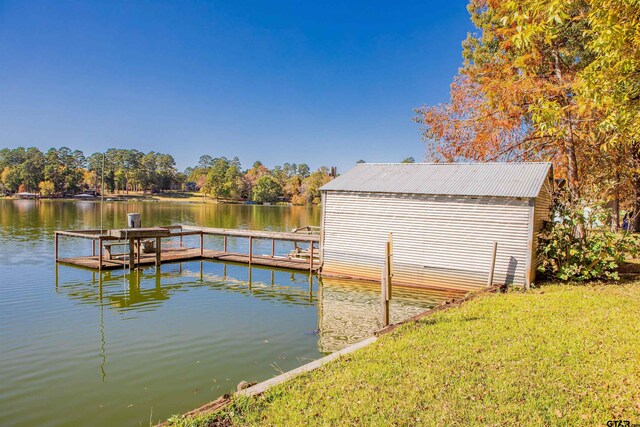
[323, 83]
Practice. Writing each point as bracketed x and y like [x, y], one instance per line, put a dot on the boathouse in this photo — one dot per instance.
[444, 219]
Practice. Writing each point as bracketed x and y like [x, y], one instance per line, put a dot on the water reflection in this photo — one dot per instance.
[348, 311]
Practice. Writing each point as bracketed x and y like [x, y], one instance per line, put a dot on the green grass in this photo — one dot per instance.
[559, 355]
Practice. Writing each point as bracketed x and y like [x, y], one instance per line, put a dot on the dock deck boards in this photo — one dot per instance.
[184, 254]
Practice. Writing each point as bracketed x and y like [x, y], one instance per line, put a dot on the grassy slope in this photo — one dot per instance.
[561, 355]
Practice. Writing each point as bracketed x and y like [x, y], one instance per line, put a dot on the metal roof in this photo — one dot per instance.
[454, 179]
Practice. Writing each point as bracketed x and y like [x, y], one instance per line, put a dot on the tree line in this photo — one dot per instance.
[549, 80]
[63, 172]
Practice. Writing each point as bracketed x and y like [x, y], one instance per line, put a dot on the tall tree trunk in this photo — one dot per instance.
[572, 168]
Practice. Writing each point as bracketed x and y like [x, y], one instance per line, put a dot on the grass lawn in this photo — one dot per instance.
[559, 355]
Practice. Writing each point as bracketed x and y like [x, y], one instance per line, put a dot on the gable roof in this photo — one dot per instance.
[453, 179]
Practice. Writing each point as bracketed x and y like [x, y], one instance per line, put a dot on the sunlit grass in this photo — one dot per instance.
[559, 355]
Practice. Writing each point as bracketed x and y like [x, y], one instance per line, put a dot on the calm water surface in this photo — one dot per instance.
[79, 348]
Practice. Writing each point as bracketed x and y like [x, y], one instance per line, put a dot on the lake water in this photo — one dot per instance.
[121, 348]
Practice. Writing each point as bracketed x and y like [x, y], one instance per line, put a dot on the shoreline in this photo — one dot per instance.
[175, 197]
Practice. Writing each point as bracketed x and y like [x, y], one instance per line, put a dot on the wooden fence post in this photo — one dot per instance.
[493, 264]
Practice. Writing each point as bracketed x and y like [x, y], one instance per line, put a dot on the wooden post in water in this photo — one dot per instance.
[273, 247]
[389, 261]
[250, 250]
[131, 253]
[100, 246]
[311, 257]
[384, 296]
[56, 245]
[181, 237]
[493, 264]
[224, 244]
[138, 247]
[93, 247]
[158, 250]
[201, 243]
[386, 281]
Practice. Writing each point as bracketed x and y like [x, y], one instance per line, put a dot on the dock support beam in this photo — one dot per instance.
[100, 254]
[273, 247]
[311, 257]
[201, 244]
[93, 248]
[132, 256]
[56, 245]
[224, 244]
[250, 250]
[158, 250]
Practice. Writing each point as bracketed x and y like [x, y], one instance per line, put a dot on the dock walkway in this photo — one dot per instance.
[135, 258]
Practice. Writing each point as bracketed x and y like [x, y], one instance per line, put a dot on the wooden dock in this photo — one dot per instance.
[136, 257]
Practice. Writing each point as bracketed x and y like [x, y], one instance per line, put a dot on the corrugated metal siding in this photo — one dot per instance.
[463, 179]
[439, 241]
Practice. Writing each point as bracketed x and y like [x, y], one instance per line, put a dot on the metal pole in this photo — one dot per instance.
[102, 200]
[493, 263]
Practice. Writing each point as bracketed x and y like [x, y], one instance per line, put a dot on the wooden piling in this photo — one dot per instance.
[56, 245]
[158, 250]
[493, 264]
[138, 244]
[273, 247]
[100, 246]
[384, 296]
[311, 257]
[201, 243]
[131, 254]
[250, 250]
[93, 248]
[224, 244]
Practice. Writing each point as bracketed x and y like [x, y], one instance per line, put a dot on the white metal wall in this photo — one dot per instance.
[439, 241]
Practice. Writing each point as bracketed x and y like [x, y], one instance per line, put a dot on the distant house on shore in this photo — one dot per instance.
[444, 218]
[26, 195]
